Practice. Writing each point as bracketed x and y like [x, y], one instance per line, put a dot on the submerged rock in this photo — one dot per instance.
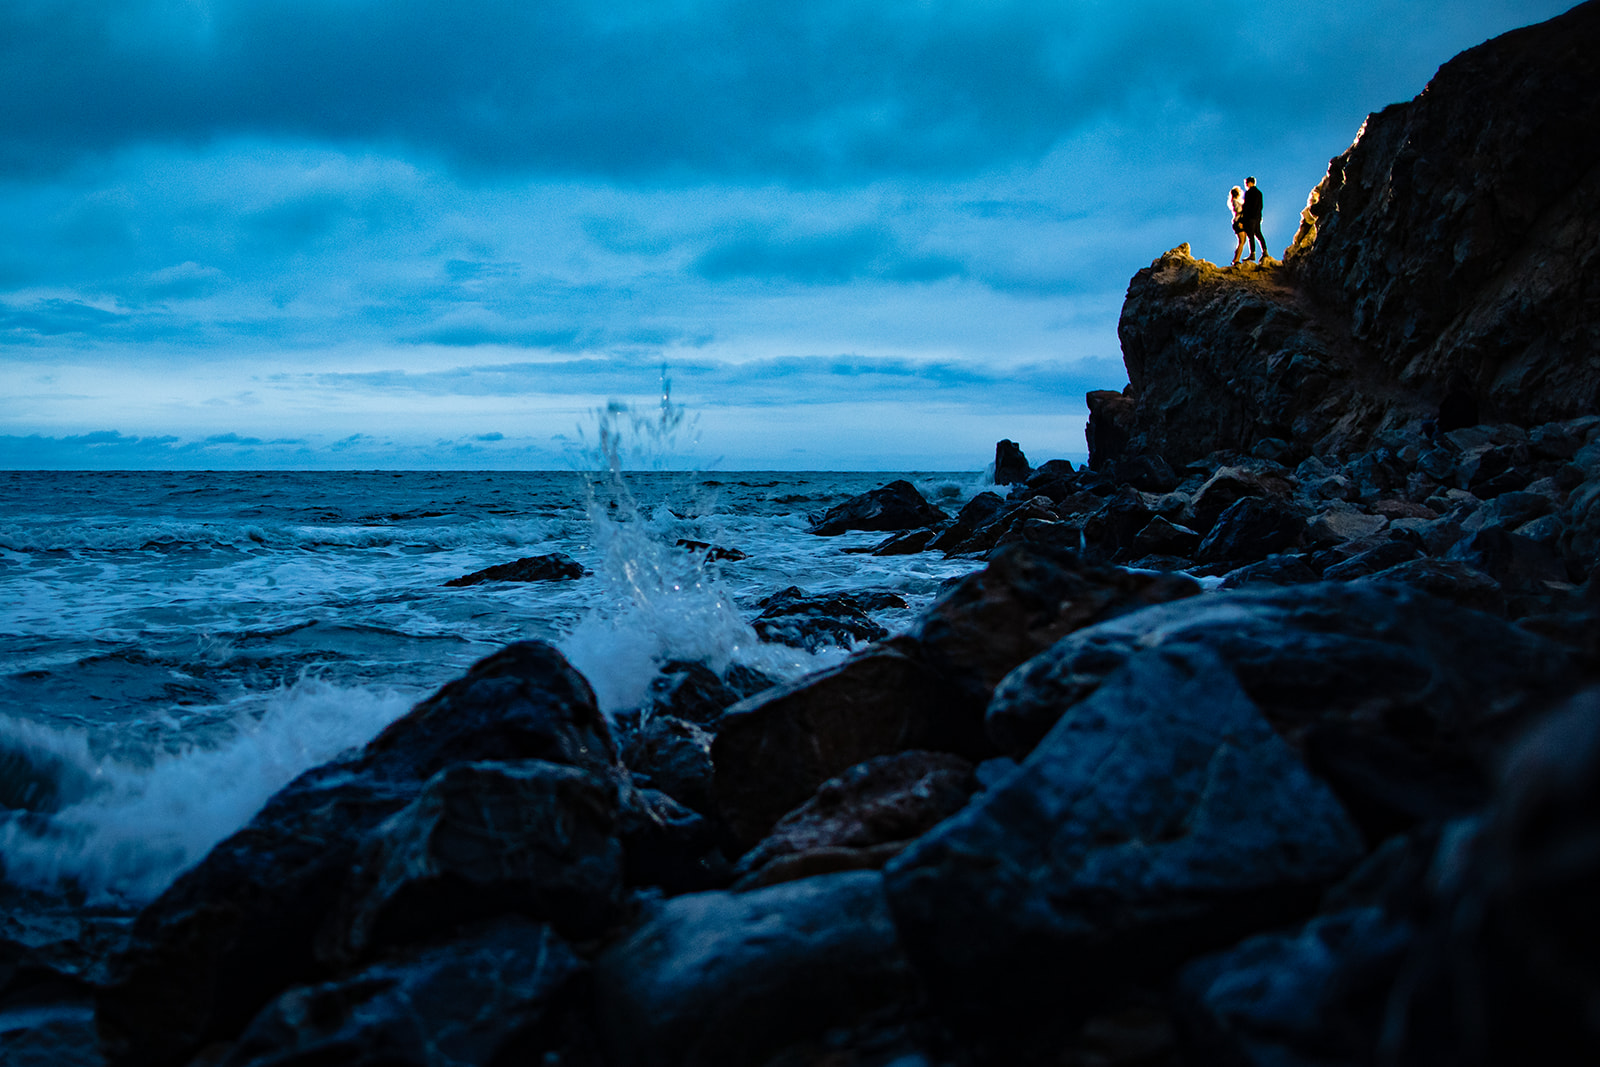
[556, 567]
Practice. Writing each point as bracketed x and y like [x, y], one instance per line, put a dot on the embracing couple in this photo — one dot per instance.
[1246, 207]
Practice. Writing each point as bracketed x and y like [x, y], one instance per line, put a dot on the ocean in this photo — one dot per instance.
[175, 647]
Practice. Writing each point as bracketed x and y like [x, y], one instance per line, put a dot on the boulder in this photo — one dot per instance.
[793, 618]
[1160, 818]
[675, 755]
[481, 840]
[1274, 570]
[555, 567]
[499, 994]
[1161, 537]
[861, 818]
[1379, 557]
[1444, 679]
[1010, 465]
[1448, 580]
[692, 691]
[773, 750]
[896, 506]
[724, 978]
[974, 515]
[1251, 528]
[240, 926]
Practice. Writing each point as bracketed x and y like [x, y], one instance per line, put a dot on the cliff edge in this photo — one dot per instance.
[1446, 266]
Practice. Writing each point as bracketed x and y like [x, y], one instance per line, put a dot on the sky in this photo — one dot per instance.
[451, 234]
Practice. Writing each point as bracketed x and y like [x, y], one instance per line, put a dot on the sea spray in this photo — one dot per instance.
[130, 829]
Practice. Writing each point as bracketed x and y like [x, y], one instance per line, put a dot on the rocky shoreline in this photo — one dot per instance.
[1269, 737]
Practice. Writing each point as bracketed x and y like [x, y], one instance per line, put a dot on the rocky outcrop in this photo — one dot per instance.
[896, 506]
[1442, 275]
[556, 567]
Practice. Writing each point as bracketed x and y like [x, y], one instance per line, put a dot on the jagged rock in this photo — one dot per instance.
[713, 553]
[1223, 489]
[668, 846]
[1344, 523]
[1055, 479]
[1003, 523]
[793, 618]
[1251, 529]
[974, 515]
[908, 543]
[240, 926]
[556, 567]
[484, 839]
[1106, 431]
[1518, 563]
[503, 993]
[1386, 657]
[724, 978]
[1021, 603]
[1117, 522]
[773, 750]
[1160, 818]
[896, 506]
[1446, 278]
[1010, 465]
[691, 691]
[847, 824]
[675, 755]
[1160, 537]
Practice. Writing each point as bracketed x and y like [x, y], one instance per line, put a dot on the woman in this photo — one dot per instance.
[1236, 205]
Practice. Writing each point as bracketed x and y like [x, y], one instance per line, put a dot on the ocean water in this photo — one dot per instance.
[174, 647]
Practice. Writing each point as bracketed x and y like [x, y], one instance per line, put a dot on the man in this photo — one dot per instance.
[1251, 217]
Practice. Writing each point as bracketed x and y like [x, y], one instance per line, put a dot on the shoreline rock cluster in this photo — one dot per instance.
[1271, 737]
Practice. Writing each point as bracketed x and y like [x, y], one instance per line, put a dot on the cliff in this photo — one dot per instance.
[1448, 264]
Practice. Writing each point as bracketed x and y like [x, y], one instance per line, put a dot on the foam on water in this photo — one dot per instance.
[122, 831]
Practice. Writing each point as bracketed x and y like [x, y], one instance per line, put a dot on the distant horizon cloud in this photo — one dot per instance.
[243, 232]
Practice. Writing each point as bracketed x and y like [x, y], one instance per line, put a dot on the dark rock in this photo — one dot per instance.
[1001, 524]
[726, 978]
[1274, 570]
[1444, 679]
[1506, 969]
[1159, 537]
[556, 567]
[974, 515]
[1516, 562]
[1019, 605]
[676, 755]
[1010, 465]
[886, 801]
[501, 994]
[693, 692]
[896, 506]
[1160, 818]
[1371, 561]
[1225, 488]
[1149, 473]
[1055, 480]
[1344, 522]
[668, 846]
[1117, 522]
[240, 926]
[793, 618]
[1106, 432]
[906, 544]
[711, 552]
[1448, 580]
[481, 840]
[1251, 528]
[773, 750]
[1309, 998]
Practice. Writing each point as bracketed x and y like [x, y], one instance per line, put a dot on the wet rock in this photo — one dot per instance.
[1250, 529]
[712, 553]
[668, 846]
[723, 978]
[503, 993]
[692, 691]
[773, 750]
[240, 926]
[794, 618]
[675, 755]
[1010, 465]
[886, 801]
[484, 839]
[1443, 679]
[555, 567]
[1160, 817]
[906, 544]
[973, 516]
[896, 506]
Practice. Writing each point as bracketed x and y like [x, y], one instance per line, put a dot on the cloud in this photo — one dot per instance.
[818, 92]
[822, 258]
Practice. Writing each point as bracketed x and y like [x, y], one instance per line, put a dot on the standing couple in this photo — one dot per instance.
[1246, 207]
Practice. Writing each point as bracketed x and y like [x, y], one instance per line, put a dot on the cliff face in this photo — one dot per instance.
[1453, 251]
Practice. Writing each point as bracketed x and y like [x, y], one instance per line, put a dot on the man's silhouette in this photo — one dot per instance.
[1251, 217]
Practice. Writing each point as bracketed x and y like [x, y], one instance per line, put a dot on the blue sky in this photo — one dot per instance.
[875, 234]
